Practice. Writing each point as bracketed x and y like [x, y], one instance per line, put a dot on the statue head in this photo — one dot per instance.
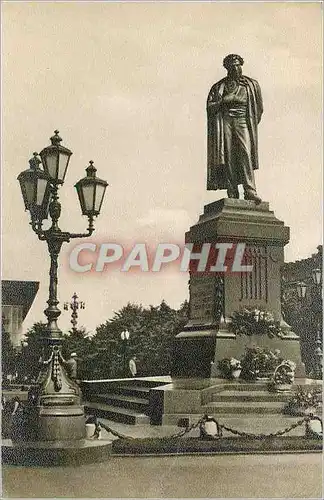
[233, 63]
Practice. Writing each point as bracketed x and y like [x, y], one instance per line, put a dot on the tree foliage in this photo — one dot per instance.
[105, 355]
[7, 351]
[32, 351]
[152, 331]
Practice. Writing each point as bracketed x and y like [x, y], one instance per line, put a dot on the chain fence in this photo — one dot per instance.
[220, 428]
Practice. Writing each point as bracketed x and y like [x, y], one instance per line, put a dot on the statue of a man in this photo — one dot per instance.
[234, 109]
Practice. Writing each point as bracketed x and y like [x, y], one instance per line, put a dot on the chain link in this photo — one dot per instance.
[187, 430]
[271, 434]
[114, 433]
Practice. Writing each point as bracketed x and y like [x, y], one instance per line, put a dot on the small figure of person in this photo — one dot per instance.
[71, 366]
[32, 395]
[17, 419]
[5, 418]
[132, 366]
[17, 405]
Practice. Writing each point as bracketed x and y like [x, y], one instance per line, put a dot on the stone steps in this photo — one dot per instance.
[116, 413]
[124, 401]
[246, 386]
[251, 396]
[130, 390]
[242, 407]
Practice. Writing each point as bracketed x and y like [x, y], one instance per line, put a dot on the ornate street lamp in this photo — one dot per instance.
[317, 276]
[91, 191]
[125, 336]
[35, 188]
[59, 411]
[74, 305]
[55, 159]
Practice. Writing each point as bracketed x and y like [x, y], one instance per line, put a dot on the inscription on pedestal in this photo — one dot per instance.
[204, 295]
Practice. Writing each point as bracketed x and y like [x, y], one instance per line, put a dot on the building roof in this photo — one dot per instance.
[19, 293]
[301, 270]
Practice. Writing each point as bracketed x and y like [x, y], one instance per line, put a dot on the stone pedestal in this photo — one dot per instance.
[206, 338]
[61, 423]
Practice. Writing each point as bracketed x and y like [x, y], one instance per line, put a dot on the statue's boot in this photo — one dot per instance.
[233, 193]
[252, 195]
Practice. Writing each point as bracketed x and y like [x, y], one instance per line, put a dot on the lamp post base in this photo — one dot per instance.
[60, 423]
[52, 453]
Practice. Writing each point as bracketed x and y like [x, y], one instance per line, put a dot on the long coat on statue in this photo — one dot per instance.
[216, 157]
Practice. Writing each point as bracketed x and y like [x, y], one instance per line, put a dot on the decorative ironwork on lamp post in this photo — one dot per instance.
[74, 305]
[316, 289]
[57, 395]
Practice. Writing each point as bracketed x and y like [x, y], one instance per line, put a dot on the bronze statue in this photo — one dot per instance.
[234, 109]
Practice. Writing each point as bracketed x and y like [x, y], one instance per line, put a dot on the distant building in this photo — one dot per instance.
[301, 270]
[17, 298]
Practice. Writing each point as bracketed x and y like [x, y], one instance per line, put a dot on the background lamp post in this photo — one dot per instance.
[125, 336]
[302, 289]
[74, 305]
[57, 397]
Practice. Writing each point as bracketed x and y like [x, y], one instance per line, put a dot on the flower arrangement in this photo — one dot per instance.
[304, 401]
[284, 375]
[255, 322]
[228, 366]
[259, 362]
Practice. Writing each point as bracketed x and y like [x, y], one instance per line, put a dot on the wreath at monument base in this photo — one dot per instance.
[259, 363]
[249, 321]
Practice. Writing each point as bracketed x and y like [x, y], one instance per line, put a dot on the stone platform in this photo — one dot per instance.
[250, 402]
[229, 445]
[48, 454]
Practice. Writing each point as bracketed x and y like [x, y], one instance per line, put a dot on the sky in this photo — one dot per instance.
[126, 85]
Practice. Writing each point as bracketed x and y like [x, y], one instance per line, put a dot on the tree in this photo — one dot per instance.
[152, 331]
[8, 354]
[32, 351]
[304, 316]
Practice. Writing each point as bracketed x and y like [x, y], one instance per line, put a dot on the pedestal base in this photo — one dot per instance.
[61, 423]
[206, 338]
[288, 346]
[196, 354]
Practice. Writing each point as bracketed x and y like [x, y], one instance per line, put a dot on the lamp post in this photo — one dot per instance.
[59, 411]
[124, 336]
[74, 305]
[302, 289]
